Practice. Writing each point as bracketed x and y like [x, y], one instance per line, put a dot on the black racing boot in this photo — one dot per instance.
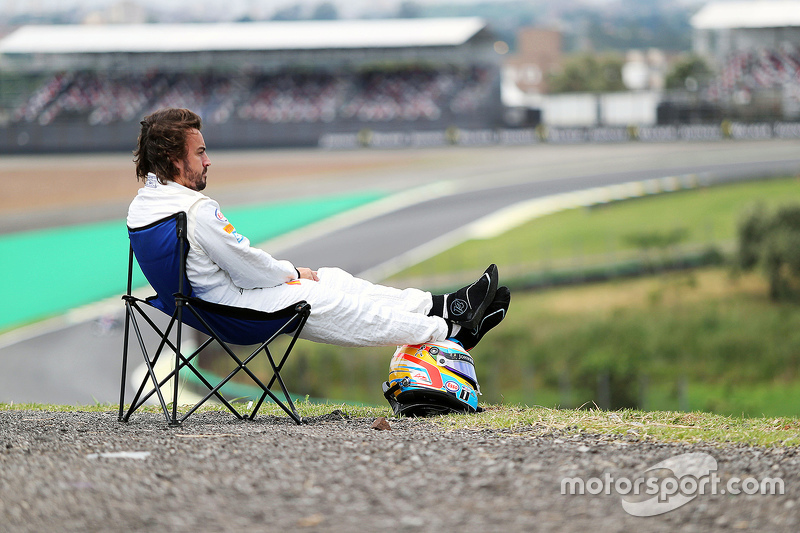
[466, 306]
[495, 313]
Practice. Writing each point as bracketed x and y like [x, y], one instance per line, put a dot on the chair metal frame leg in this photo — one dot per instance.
[302, 315]
[138, 399]
[276, 369]
[127, 297]
[181, 362]
[150, 364]
[122, 381]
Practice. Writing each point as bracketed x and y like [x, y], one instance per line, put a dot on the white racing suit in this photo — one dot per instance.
[223, 268]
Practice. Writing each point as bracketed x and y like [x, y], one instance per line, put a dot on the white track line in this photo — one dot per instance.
[515, 215]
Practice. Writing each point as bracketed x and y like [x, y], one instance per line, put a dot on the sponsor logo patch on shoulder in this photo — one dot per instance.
[220, 216]
[229, 228]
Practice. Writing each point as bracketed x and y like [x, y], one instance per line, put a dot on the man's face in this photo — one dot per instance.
[193, 168]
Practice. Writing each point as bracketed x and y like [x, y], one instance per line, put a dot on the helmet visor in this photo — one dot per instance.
[463, 369]
[460, 363]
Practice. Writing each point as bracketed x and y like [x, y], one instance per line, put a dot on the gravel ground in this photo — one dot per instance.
[58, 472]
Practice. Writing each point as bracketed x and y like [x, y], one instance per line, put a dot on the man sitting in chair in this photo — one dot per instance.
[222, 267]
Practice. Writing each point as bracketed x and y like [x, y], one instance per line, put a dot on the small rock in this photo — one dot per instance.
[412, 521]
[310, 521]
[381, 424]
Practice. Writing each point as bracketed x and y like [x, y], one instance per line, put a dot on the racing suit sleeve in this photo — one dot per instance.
[248, 267]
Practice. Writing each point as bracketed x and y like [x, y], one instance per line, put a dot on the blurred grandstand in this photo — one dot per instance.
[754, 49]
[389, 82]
[750, 51]
[79, 88]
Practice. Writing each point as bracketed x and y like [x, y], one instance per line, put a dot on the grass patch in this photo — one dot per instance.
[633, 425]
[659, 426]
[583, 237]
[690, 341]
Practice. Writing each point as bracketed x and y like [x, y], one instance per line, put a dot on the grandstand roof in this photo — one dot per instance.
[262, 36]
[752, 14]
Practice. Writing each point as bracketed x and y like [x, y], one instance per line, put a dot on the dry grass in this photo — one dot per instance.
[670, 290]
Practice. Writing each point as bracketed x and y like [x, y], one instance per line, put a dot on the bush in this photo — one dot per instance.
[771, 241]
[588, 73]
[689, 70]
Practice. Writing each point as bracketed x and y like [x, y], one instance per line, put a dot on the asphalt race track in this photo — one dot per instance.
[74, 360]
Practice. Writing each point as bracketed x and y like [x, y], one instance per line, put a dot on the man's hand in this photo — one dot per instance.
[307, 273]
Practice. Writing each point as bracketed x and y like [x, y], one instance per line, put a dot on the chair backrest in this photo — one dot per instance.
[161, 249]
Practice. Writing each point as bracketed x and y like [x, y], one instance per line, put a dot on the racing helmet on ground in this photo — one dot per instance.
[431, 379]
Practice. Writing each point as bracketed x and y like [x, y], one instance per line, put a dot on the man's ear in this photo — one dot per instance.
[178, 165]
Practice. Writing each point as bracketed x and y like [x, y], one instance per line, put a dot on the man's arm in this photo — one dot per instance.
[248, 267]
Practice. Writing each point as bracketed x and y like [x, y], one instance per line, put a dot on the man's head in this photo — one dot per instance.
[171, 147]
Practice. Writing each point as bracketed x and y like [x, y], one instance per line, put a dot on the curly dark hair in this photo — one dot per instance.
[162, 140]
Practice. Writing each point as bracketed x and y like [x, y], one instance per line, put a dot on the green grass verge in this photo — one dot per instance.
[688, 341]
[661, 426]
[652, 426]
[706, 216]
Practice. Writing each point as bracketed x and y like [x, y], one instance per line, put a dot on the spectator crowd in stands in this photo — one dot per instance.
[746, 72]
[408, 94]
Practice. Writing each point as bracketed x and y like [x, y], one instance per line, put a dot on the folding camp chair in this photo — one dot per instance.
[160, 250]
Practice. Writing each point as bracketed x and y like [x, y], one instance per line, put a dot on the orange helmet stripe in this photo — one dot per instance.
[433, 372]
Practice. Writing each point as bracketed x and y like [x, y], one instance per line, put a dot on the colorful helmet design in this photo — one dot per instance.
[431, 379]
